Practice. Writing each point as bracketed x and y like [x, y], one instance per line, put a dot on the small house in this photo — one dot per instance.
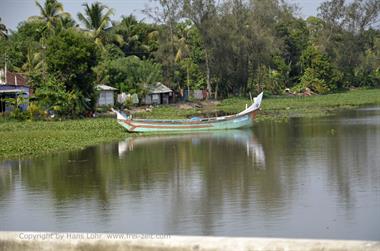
[13, 85]
[158, 93]
[106, 95]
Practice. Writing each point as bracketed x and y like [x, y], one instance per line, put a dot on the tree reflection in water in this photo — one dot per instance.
[272, 181]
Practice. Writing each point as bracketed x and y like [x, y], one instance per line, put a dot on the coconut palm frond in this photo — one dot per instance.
[99, 42]
[84, 20]
[42, 9]
[178, 56]
[35, 18]
[65, 15]
[3, 30]
[51, 11]
[119, 39]
[108, 14]
[153, 34]
[96, 18]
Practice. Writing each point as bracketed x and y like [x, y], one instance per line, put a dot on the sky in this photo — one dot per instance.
[14, 11]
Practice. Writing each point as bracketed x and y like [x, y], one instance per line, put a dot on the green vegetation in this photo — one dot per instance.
[315, 106]
[128, 74]
[40, 137]
[230, 47]
[3, 30]
[277, 108]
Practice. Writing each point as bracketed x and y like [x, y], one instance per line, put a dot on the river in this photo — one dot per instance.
[305, 178]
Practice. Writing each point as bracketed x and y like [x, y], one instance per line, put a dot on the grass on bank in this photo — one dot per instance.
[277, 108]
[317, 106]
[40, 137]
[280, 108]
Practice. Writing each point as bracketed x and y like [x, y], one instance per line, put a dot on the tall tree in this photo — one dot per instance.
[167, 15]
[295, 37]
[70, 57]
[140, 38]
[344, 35]
[96, 19]
[183, 49]
[52, 12]
[28, 34]
[362, 15]
[3, 30]
[34, 67]
[202, 13]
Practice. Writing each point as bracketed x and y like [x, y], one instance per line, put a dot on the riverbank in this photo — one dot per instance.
[275, 108]
[283, 108]
[29, 138]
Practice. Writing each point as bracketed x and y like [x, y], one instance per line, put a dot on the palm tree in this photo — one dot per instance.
[126, 29]
[34, 66]
[52, 13]
[96, 19]
[137, 36]
[182, 49]
[3, 30]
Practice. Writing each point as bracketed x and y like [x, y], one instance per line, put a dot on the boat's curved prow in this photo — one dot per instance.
[255, 106]
[119, 115]
[258, 100]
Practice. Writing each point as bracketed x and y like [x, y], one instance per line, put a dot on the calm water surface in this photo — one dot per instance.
[308, 178]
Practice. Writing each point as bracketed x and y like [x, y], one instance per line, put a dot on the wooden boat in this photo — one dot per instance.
[240, 120]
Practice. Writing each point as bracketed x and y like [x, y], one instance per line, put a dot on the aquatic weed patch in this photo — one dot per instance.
[39, 137]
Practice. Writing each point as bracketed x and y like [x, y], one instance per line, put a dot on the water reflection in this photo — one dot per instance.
[309, 178]
[244, 137]
[203, 165]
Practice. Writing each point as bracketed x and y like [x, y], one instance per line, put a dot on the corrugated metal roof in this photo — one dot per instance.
[12, 78]
[105, 88]
[159, 88]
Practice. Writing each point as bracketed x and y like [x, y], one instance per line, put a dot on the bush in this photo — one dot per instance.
[35, 112]
[310, 79]
[103, 108]
[320, 75]
[128, 74]
[53, 97]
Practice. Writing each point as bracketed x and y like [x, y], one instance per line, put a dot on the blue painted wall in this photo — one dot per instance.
[24, 88]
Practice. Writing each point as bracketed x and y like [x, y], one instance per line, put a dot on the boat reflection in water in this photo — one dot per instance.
[239, 138]
[285, 180]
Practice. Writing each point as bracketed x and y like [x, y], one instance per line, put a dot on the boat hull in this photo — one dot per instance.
[240, 120]
[233, 122]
